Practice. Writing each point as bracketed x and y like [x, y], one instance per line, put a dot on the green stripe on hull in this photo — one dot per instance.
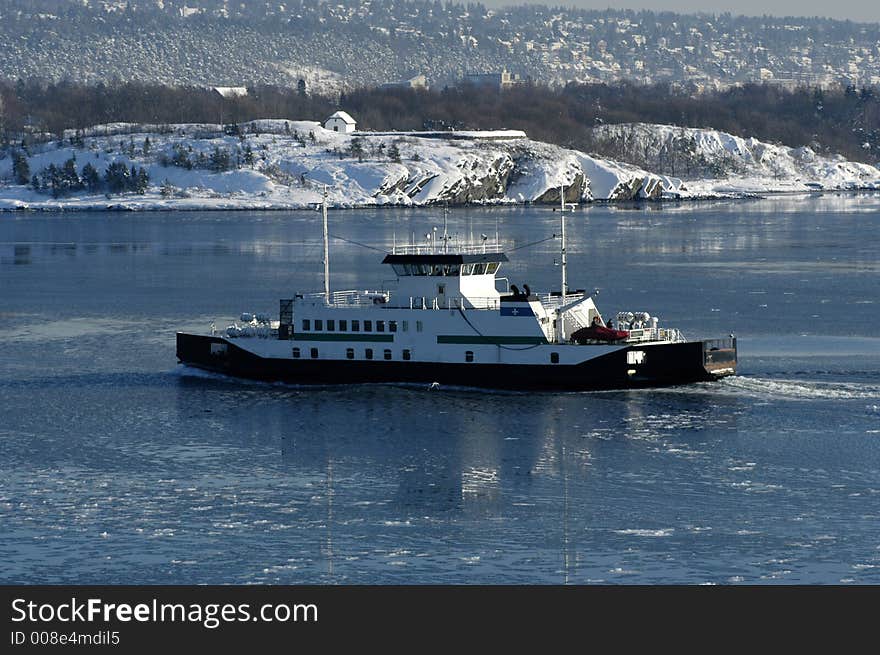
[299, 336]
[476, 339]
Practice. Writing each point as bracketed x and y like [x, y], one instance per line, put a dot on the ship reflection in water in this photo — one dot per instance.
[414, 478]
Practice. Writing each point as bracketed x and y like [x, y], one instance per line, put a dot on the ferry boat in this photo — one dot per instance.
[452, 320]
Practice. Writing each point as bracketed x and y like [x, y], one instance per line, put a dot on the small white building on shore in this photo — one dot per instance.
[340, 122]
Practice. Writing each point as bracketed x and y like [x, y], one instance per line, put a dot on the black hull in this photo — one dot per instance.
[664, 365]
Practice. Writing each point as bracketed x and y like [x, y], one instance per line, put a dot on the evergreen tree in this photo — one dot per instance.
[147, 146]
[394, 153]
[21, 170]
[142, 181]
[90, 178]
[69, 179]
[167, 189]
[357, 148]
[54, 177]
[181, 157]
[116, 177]
[220, 160]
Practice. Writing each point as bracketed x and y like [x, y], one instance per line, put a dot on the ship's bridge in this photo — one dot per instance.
[441, 280]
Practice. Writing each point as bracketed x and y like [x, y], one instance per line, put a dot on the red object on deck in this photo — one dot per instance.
[599, 333]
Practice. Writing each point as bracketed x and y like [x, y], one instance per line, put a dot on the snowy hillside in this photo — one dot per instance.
[716, 163]
[275, 164]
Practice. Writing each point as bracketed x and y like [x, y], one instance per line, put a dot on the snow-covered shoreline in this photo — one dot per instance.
[286, 165]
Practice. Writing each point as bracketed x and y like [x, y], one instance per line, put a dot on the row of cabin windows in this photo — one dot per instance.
[406, 355]
[330, 324]
[440, 270]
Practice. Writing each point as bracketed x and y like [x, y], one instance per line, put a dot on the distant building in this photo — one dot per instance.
[230, 91]
[415, 82]
[502, 80]
[340, 122]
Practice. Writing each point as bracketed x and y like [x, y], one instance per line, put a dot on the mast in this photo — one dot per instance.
[560, 321]
[326, 249]
[563, 288]
[445, 231]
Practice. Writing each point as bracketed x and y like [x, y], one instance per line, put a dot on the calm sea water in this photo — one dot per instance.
[119, 466]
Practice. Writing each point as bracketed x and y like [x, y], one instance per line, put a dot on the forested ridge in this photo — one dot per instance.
[844, 121]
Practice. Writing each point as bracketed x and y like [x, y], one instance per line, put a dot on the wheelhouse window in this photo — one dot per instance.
[406, 326]
[392, 326]
[306, 325]
[355, 326]
[349, 353]
[380, 326]
[319, 325]
[368, 353]
[331, 325]
[295, 353]
[343, 326]
[368, 326]
[467, 269]
[314, 353]
[387, 353]
[492, 267]
[418, 326]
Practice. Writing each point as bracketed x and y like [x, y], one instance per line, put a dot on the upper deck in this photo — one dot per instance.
[465, 278]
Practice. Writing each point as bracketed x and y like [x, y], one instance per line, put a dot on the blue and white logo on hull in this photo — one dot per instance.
[523, 310]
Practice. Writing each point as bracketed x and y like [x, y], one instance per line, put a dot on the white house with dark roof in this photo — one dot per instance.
[340, 122]
[230, 91]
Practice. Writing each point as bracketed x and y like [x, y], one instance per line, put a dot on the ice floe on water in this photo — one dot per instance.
[638, 532]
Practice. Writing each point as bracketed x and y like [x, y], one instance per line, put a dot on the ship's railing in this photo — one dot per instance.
[552, 302]
[357, 298]
[639, 335]
[452, 249]
[349, 298]
[454, 302]
[575, 322]
[725, 343]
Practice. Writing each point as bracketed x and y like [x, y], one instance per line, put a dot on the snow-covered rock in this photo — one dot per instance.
[716, 163]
